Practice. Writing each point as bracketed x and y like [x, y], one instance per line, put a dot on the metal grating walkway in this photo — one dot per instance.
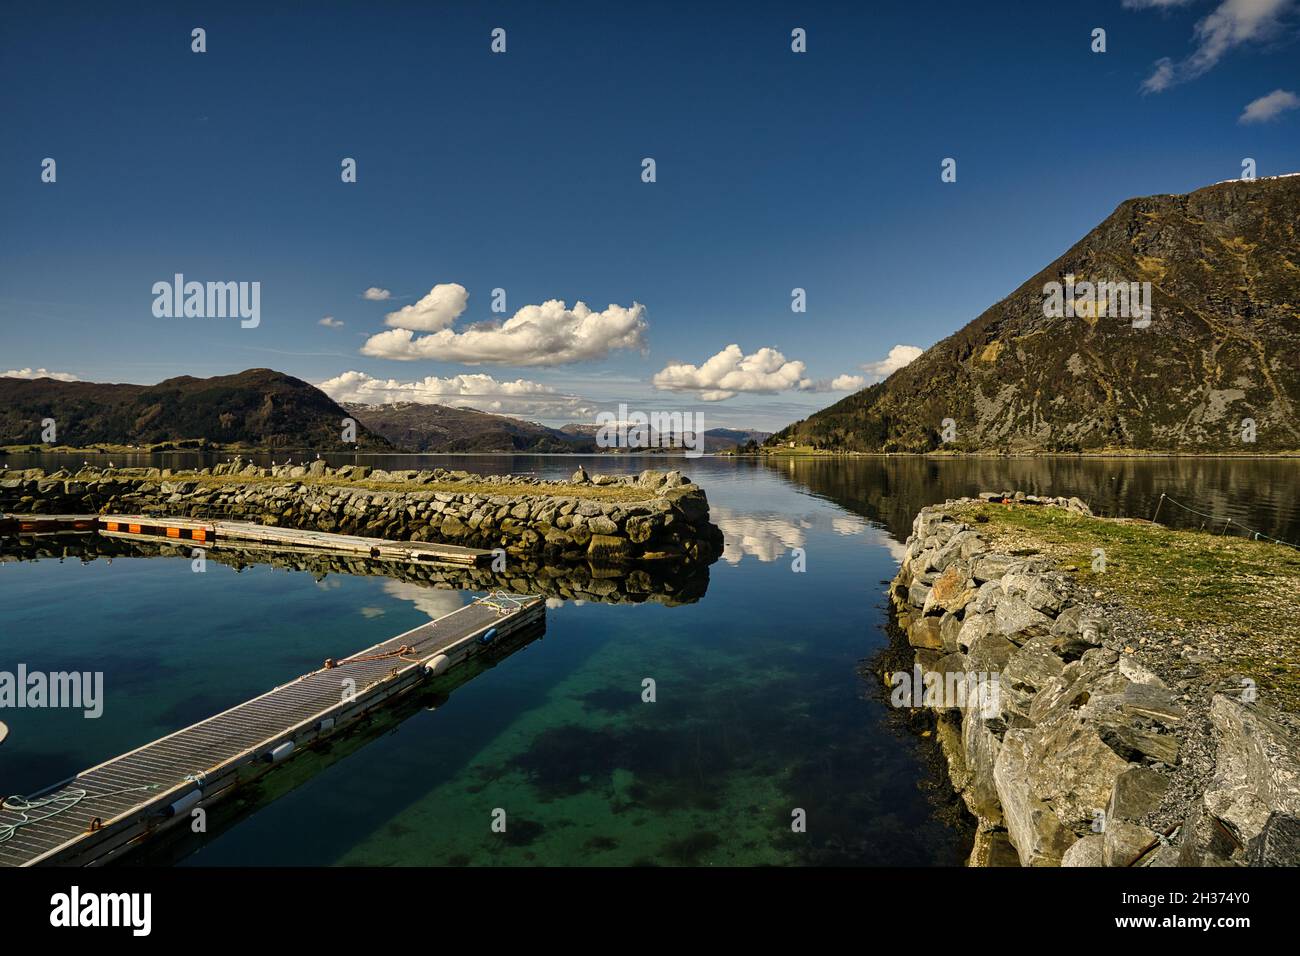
[136, 789]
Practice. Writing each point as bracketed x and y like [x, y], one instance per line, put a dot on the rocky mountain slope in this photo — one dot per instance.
[1222, 349]
[420, 427]
[256, 408]
[715, 439]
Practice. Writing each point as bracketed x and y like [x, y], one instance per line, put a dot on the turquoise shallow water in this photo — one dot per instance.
[759, 710]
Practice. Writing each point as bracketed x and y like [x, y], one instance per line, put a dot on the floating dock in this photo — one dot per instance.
[218, 532]
[210, 533]
[48, 524]
[102, 813]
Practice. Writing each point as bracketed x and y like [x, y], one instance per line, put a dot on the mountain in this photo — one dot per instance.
[715, 439]
[723, 439]
[1222, 346]
[257, 408]
[419, 427]
[262, 408]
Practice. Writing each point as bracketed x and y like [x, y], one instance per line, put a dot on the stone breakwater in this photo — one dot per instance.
[1070, 762]
[651, 518]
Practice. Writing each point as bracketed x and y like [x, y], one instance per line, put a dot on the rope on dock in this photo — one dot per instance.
[400, 653]
[60, 802]
[1255, 534]
[501, 601]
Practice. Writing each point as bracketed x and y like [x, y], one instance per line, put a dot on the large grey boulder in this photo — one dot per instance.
[980, 746]
[1148, 700]
[1018, 621]
[1134, 743]
[1036, 591]
[1089, 851]
[1072, 769]
[1255, 794]
[989, 653]
[1126, 842]
[974, 626]
[1033, 665]
[991, 566]
[1138, 791]
[1039, 836]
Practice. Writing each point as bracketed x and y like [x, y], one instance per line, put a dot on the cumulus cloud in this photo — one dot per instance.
[483, 392]
[437, 310]
[848, 383]
[330, 322]
[40, 373]
[730, 371]
[536, 335]
[1231, 24]
[376, 294]
[1269, 107]
[898, 356]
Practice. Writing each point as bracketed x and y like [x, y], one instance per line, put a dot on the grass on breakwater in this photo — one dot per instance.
[616, 493]
[1236, 598]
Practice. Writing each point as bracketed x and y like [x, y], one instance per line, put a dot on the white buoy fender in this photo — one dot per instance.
[184, 803]
[280, 752]
[436, 665]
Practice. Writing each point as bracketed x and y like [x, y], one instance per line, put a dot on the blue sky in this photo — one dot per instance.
[522, 171]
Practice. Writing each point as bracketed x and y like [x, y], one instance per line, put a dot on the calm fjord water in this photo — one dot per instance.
[760, 708]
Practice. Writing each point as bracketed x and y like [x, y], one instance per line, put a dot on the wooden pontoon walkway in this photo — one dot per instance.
[213, 533]
[103, 812]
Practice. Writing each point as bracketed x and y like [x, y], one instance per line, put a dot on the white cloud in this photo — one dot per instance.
[1268, 107]
[899, 356]
[848, 383]
[536, 335]
[40, 373]
[1161, 78]
[376, 294]
[437, 310]
[330, 322]
[1231, 24]
[520, 397]
[730, 371]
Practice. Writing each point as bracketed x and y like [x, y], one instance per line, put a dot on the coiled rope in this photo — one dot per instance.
[1254, 533]
[401, 653]
[57, 803]
[503, 602]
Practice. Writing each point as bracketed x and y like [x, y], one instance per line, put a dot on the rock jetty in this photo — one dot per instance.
[1071, 761]
[652, 518]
